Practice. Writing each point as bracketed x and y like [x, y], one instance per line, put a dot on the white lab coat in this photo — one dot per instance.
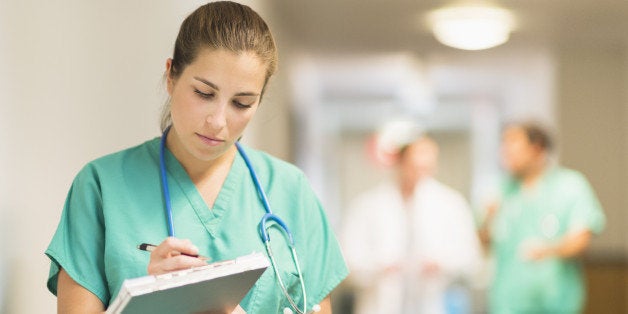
[380, 232]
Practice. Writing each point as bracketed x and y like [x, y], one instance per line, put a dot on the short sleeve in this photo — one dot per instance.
[586, 212]
[78, 244]
[326, 267]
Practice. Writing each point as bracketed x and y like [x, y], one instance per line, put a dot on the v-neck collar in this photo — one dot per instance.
[535, 191]
[210, 218]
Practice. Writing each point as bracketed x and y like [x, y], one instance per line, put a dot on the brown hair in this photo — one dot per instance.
[221, 25]
[536, 134]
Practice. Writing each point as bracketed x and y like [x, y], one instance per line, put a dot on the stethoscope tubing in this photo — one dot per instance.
[164, 183]
[263, 230]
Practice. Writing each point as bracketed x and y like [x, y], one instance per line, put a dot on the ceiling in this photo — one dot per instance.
[394, 25]
[357, 29]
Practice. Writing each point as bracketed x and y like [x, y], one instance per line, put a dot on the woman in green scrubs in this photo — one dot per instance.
[223, 57]
[544, 223]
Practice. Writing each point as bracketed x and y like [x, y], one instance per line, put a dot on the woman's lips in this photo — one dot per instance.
[210, 140]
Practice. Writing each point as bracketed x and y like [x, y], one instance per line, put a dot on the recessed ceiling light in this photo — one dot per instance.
[471, 27]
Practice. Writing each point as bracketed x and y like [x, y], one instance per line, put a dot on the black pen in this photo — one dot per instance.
[151, 247]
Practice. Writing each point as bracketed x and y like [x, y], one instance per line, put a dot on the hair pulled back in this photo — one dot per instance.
[221, 25]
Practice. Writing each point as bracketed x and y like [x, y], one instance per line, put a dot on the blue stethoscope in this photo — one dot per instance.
[263, 229]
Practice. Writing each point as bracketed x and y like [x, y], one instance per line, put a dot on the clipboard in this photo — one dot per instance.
[215, 288]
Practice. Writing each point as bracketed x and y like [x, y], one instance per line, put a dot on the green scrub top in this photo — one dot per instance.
[116, 203]
[561, 201]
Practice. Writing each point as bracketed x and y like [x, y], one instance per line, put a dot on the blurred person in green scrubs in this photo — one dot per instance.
[542, 225]
[223, 58]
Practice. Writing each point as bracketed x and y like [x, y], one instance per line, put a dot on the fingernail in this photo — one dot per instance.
[194, 248]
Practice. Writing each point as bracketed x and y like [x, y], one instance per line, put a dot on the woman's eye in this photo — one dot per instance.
[241, 105]
[203, 95]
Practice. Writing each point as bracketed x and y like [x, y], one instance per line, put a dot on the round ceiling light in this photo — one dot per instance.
[472, 27]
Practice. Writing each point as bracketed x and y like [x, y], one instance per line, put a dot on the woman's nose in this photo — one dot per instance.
[217, 117]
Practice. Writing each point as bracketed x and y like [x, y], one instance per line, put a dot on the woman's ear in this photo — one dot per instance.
[169, 80]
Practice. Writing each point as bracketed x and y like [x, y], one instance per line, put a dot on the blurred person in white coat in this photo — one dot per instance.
[409, 240]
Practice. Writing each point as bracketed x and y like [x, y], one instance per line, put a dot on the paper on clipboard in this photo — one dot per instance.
[215, 288]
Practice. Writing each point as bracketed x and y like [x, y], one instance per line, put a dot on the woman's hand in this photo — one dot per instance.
[167, 256]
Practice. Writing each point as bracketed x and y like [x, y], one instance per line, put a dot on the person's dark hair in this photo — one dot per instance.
[537, 134]
[221, 25]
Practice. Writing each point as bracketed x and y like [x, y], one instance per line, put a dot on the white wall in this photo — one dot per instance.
[78, 79]
[592, 110]
[4, 136]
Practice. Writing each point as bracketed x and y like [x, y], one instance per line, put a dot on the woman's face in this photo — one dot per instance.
[213, 100]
